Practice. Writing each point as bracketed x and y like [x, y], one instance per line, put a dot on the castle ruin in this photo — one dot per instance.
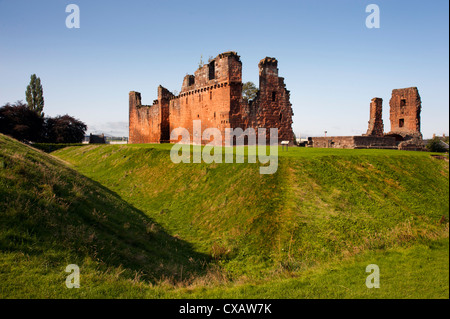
[376, 127]
[214, 96]
[405, 107]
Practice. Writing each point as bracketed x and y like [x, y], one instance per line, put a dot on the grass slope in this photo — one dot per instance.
[52, 216]
[417, 272]
[320, 205]
[140, 226]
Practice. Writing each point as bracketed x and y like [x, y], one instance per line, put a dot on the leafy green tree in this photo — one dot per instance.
[435, 145]
[249, 91]
[35, 95]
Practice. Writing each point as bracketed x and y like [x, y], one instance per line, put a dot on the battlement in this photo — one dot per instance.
[229, 54]
[214, 96]
[225, 67]
[201, 90]
[268, 61]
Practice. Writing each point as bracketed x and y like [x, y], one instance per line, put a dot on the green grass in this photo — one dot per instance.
[51, 147]
[53, 216]
[418, 272]
[222, 230]
[320, 204]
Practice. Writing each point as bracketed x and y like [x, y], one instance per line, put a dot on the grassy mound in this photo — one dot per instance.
[52, 216]
[139, 225]
[319, 206]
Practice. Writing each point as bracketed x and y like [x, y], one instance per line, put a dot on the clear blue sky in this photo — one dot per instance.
[332, 64]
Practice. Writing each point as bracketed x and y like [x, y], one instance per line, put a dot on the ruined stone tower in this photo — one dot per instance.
[405, 133]
[214, 96]
[405, 107]
[272, 106]
[376, 127]
[149, 123]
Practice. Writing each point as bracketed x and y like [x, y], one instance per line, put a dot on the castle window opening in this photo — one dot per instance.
[401, 122]
[402, 106]
[274, 96]
[212, 71]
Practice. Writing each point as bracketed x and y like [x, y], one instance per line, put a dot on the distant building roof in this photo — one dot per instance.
[97, 139]
[445, 145]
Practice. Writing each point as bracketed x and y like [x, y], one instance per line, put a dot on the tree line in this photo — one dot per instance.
[26, 121]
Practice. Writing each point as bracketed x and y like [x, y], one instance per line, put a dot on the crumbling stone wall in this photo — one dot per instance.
[271, 107]
[208, 95]
[332, 142]
[214, 96]
[353, 142]
[149, 123]
[143, 125]
[405, 107]
[376, 127]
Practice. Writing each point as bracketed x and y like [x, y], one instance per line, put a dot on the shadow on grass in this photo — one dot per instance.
[50, 209]
[131, 239]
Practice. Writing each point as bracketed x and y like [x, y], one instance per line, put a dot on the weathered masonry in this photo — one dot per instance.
[405, 107]
[214, 96]
[376, 127]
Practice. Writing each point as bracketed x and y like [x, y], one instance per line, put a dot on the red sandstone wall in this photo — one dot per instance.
[211, 105]
[209, 97]
[376, 127]
[410, 112]
[353, 142]
[334, 142]
[385, 142]
[214, 96]
[144, 121]
[164, 98]
[272, 106]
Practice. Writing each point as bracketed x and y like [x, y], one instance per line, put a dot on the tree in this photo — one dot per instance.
[64, 129]
[435, 145]
[18, 121]
[34, 95]
[249, 91]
